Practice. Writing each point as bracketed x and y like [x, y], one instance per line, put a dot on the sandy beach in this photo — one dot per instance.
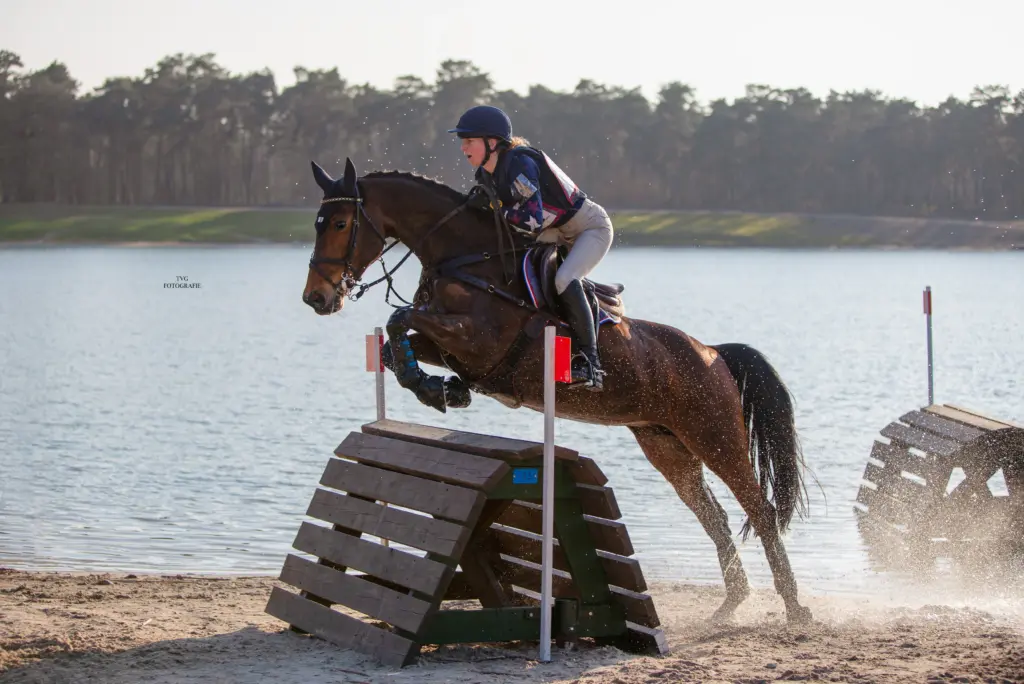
[118, 628]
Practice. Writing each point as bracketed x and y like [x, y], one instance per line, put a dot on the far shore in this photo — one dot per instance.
[29, 225]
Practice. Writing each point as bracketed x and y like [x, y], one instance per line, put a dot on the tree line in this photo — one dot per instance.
[189, 132]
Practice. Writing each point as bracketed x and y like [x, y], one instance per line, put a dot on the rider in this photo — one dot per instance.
[536, 195]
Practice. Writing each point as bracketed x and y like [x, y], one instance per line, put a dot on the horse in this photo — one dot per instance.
[688, 404]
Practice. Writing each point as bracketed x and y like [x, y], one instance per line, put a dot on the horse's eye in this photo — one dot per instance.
[340, 225]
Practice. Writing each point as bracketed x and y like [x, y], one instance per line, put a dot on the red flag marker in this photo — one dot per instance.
[375, 365]
[374, 359]
[563, 359]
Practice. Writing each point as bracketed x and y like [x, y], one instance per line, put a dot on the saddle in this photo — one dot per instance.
[539, 266]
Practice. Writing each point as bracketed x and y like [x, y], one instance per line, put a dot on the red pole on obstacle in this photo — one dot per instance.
[928, 326]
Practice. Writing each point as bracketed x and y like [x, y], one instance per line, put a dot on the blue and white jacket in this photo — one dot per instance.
[535, 193]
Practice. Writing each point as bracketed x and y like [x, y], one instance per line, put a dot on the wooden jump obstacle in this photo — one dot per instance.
[463, 521]
[926, 493]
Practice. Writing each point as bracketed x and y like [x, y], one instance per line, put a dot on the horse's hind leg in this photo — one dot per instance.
[685, 473]
[732, 466]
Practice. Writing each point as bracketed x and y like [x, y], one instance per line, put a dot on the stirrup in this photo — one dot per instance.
[585, 374]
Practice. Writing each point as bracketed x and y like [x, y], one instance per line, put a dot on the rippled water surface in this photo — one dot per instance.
[184, 430]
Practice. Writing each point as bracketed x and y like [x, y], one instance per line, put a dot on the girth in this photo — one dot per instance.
[530, 331]
[452, 268]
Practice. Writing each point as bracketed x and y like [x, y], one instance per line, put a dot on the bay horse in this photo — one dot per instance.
[687, 404]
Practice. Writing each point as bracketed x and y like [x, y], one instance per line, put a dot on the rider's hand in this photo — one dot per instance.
[478, 199]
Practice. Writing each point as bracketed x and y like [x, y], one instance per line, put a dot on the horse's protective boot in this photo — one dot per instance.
[586, 363]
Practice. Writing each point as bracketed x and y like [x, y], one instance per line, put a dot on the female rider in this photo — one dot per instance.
[536, 195]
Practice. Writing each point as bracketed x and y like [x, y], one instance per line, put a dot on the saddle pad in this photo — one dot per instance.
[540, 284]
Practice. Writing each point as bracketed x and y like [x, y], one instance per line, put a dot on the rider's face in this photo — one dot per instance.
[474, 149]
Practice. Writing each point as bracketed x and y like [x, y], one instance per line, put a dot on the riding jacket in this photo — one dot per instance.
[535, 193]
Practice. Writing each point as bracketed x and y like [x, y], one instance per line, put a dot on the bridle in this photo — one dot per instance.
[347, 278]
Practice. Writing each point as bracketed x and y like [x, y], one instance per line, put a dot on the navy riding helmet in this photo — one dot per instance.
[484, 121]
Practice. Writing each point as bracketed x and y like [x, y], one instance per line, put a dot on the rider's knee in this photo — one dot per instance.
[563, 280]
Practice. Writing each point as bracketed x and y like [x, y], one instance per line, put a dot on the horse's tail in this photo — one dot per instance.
[768, 416]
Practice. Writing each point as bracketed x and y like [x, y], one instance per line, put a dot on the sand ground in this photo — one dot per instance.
[117, 628]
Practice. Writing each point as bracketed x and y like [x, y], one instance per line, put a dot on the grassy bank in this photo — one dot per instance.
[68, 224]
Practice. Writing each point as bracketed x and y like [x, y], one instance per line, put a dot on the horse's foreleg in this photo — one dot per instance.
[686, 475]
[422, 346]
[432, 390]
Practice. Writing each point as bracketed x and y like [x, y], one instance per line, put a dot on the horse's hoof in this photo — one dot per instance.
[457, 393]
[799, 615]
[725, 612]
[722, 616]
[431, 392]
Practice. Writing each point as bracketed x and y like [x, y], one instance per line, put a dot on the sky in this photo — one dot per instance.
[904, 48]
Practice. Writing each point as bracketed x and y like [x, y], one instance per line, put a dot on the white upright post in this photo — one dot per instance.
[375, 364]
[548, 511]
[378, 368]
[928, 324]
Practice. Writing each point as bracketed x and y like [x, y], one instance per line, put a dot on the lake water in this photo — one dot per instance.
[184, 430]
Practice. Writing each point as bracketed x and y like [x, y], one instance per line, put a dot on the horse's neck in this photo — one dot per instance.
[415, 217]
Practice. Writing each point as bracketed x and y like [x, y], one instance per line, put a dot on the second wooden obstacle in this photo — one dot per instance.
[929, 491]
[463, 521]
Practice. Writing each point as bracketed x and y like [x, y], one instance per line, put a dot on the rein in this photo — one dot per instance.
[450, 268]
[347, 277]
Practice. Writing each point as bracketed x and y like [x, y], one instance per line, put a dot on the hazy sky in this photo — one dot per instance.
[909, 48]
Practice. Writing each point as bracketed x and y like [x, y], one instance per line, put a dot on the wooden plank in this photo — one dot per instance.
[967, 417]
[899, 459]
[982, 416]
[619, 570]
[598, 501]
[941, 426]
[527, 575]
[876, 475]
[431, 462]
[639, 608]
[639, 639]
[505, 448]
[886, 507]
[607, 535]
[436, 498]
[399, 609]
[418, 531]
[919, 439]
[340, 629]
[413, 572]
[585, 471]
[910, 493]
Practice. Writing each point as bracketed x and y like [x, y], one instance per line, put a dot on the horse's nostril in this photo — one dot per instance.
[314, 299]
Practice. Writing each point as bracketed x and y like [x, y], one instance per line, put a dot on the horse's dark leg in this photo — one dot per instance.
[685, 473]
[714, 433]
[432, 390]
[422, 346]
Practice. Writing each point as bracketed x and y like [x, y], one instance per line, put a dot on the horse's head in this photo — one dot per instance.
[347, 242]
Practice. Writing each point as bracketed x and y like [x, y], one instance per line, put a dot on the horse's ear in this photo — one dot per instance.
[322, 178]
[349, 182]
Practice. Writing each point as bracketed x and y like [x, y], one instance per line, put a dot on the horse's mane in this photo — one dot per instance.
[451, 192]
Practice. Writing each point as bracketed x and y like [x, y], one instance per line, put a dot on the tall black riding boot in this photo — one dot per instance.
[586, 365]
